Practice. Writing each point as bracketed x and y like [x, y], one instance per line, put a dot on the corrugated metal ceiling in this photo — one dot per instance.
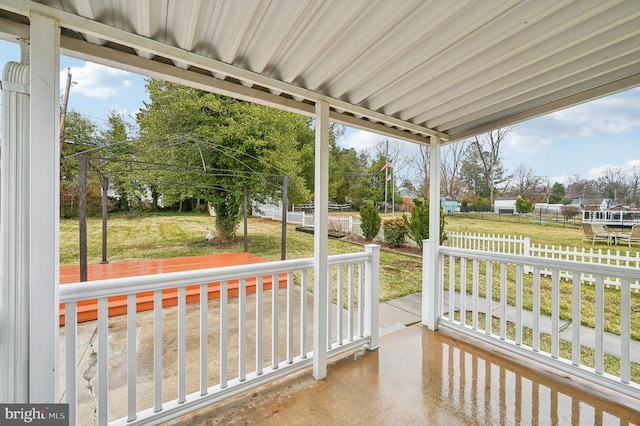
[418, 68]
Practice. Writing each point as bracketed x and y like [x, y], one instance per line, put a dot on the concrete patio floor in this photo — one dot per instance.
[420, 377]
[416, 377]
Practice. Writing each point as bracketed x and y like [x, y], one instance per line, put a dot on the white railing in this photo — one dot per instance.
[211, 366]
[513, 244]
[612, 217]
[339, 223]
[540, 317]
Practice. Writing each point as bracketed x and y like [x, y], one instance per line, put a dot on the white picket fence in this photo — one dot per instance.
[513, 244]
[340, 223]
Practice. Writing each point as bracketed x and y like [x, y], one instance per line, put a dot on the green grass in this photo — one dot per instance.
[176, 235]
[557, 234]
[611, 363]
[163, 236]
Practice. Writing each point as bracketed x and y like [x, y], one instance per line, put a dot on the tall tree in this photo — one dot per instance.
[524, 181]
[345, 167]
[81, 134]
[482, 168]
[634, 185]
[216, 146]
[114, 137]
[584, 189]
[557, 193]
[612, 183]
[421, 163]
[452, 156]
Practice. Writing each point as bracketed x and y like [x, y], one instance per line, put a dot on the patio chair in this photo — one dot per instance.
[595, 232]
[632, 238]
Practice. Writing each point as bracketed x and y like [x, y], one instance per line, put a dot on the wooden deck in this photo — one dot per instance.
[88, 310]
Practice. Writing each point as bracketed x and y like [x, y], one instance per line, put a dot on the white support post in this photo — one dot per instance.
[43, 192]
[431, 286]
[372, 297]
[320, 241]
[14, 296]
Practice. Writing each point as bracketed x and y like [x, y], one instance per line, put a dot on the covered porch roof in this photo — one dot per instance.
[408, 69]
[421, 71]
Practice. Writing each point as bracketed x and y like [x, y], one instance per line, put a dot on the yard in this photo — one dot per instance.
[176, 235]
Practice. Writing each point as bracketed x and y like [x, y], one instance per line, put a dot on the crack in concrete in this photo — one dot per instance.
[89, 373]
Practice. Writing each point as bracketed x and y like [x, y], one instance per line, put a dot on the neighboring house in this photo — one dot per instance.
[407, 199]
[505, 205]
[608, 204]
[449, 205]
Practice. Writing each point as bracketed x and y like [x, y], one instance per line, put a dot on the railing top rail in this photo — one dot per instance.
[119, 286]
[595, 268]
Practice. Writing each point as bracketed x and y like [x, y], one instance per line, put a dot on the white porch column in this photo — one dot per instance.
[14, 296]
[320, 240]
[431, 305]
[42, 222]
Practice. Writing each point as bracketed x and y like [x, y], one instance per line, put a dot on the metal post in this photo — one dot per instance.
[105, 211]
[82, 204]
[285, 202]
[246, 220]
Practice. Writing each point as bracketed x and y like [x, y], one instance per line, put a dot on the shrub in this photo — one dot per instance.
[370, 221]
[523, 205]
[395, 232]
[418, 225]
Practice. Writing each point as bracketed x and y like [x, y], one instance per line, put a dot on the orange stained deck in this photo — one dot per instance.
[88, 309]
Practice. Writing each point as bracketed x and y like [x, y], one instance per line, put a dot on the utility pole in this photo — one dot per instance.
[65, 102]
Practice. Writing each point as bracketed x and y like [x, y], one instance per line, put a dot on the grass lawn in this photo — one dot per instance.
[176, 235]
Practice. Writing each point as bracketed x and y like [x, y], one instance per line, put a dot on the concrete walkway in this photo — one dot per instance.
[398, 313]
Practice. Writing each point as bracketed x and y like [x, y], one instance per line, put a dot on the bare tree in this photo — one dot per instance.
[524, 181]
[393, 152]
[634, 184]
[584, 189]
[483, 164]
[451, 161]
[420, 163]
[612, 183]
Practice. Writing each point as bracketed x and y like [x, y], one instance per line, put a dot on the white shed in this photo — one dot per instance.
[505, 205]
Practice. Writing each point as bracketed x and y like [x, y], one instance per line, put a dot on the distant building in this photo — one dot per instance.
[608, 204]
[449, 205]
[548, 208]
[505, 205]
[407, 199]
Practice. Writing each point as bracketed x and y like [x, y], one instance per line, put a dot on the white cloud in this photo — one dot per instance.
[612, 115]
[96, 81]
[526, 143]
[595, 172]
[361, 140]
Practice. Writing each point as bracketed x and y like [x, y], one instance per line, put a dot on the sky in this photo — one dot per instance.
[582, 141]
